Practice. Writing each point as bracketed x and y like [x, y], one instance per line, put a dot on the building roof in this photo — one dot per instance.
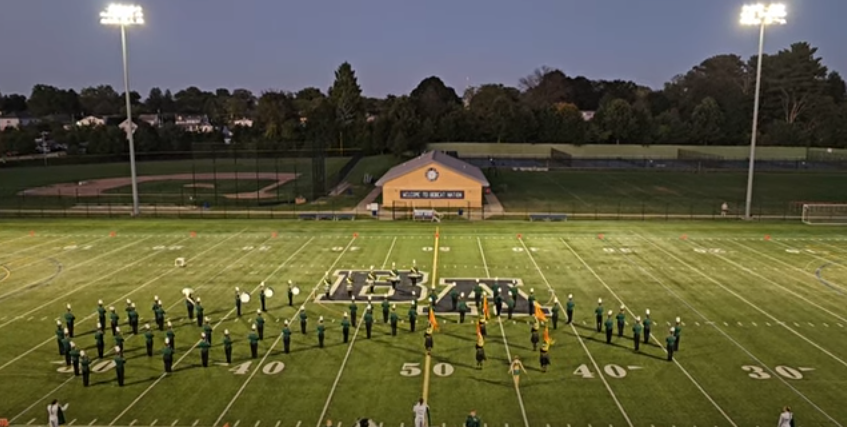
[440, 158]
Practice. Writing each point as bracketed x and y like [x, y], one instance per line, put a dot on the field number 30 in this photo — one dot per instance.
[414, 369]
[757, 373]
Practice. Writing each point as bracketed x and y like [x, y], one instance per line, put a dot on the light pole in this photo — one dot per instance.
[124, 16]
[761, 15]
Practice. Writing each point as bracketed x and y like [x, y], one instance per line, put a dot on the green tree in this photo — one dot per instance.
[46, 100]
[346, 96]
[433, 99]
[561, 123]
[13, 103]
[275, 114]
[617, 120]
[669, 128]
[240, 104]
[707, 122]
[308, 99]
[793, 81]
[192, 100]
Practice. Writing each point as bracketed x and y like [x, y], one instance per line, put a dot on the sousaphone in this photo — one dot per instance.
[245, 297]
[269, 292]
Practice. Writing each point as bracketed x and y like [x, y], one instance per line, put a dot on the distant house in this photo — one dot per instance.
[371, 118]
[91, 121]
[194, 123]
[126, 125]
[151, 119]
[588, 115]
[16, 120]
[244, 122]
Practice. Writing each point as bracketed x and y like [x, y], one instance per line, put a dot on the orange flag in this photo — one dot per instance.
[485, 310]
[539, 313]
[547, 335]
[432, 320]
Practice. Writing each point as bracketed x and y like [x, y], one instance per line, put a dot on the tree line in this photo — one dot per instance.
[802, 104]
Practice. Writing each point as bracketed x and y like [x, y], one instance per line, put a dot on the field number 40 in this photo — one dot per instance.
[757, 373]
[414, 369]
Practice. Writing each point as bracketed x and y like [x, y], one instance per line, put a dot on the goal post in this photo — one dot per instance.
[825, 214]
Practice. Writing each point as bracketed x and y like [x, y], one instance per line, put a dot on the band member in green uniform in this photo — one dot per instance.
[533, 335]
[119, 365]
[198, 306]
[393, 319]
[101, 313]
[262, 295]
[609, 327]
[60, 333]
[286, 338]
[345, 327]
[482, 325]
[569, 306]
[428, 343]
[156, 305]
[238, 301]
[513, 290]
[189, 305]
[207, 329]
[531, 300]
[160, 317]
[260, 324]
[636, 332]
[510, 306]
[75, 358]
[671, 343]
[621, 319]
[168, 356]
[119, 339]
[66, 346]
[85, 366]
[480, 351]
[498, 301]
[69, 321]
[321, 330]
[544, 356]
[554, 313]
[676, 331]
[254, 342]
[171, 335]
[648, 322]
[433, 296]
[414, 300]
[348, 285]
[290, 293]
[303, 319]
[327, 286]
[386, 309]
[227, 346]
[598, 314]
[353, 310]
[477, 295]
[463, 307]
[132, 315]
[369, 320]
[113, 319]
[413, 318]
[204, 349]
[148, 339]
[99, 341]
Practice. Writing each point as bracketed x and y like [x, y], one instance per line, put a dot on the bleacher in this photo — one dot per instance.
[426, 215]
[327, 216]
[551, 217]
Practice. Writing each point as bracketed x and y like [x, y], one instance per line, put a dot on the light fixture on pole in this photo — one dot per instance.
[761, 15]
[124, 16]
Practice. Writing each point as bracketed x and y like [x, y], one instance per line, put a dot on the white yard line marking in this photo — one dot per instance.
[31, 421]
[579, 337]
[279, 336]
[299, 422]
[280, 422]
[676, 362]
[762, 254]
[154, 422]
[132, 423]
[713, 280]
[195, 423]
[349, 350]
[51, 393]
[92, 422]
[505, 341]
[163, 375]
[257, 423]
[732, 340]
[237, 422]
[72, 422]
[174, 423]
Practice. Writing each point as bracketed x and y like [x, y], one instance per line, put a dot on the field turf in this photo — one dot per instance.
[762, 309]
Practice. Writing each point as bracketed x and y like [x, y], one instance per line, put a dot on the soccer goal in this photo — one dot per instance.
[825, 214]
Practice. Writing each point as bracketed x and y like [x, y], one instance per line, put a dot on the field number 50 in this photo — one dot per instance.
[414, 369]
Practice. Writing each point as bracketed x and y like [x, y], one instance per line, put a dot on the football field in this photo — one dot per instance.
[762, 307]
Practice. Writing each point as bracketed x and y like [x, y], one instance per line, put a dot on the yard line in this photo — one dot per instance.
[76, 288]
[223, 319]
[52, 392]
[197, 422]
[744, 300]
[174, 423]
[72, 422]
[837, 286]
[257, 423]
[119, 299]
[92, 422]
[732, 340]
[280, 422]
[9, 255]
[676, 362]
[132, 423]
[505, 341]
[279, 336]
[154, 422]
[428, 358]
[31, 421]
[39, 256]
[579, 337]
[349, 349]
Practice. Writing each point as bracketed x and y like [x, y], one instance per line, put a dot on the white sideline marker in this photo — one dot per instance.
[72, 422]
[754, 324]
[154, 422]
[31, 421]
[132, 423]
[174, 423]
[237, 422]
[257, 423]
[92, 422]
[280, 422]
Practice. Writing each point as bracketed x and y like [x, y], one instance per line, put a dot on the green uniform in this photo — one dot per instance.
[569, 310]
[98, 339]
[369, 321]
[171, 337]
[119, 369]
[168, 358]
[286, 339]
[254, 344]
[531, 307]
[260, 326]
[353, 310]
[148, 340]
[477, 295]
[114, 318]
[386, 308]
[498, 302]
[199, 309]
[610, 325]
[207, 329]
[101, 316]
[60, 334]
[555, 315]
[510, 306]
[69, 321]
[66, 346]
[228, 348]
[454, 298]
[119, 341]
[204, 352]
[413, 317]
[636, 335]
[75, 360]
[303, 319]
[676, 331]
[671, 343]
[621, 318]
[647, 323]
[133, 321]
[394, 320]
[321, 330]
[345, 329]
[473, 421]
[85, 366]
[463, 308]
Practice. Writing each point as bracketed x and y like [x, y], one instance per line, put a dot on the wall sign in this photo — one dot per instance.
[430, 195]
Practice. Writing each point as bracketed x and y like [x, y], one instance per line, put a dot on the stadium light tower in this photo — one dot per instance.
[761, 15]
[124, 16]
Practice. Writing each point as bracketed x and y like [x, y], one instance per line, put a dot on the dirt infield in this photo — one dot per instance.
[97, 187]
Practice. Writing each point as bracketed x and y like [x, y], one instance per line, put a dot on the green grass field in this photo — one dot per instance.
[660, 193]
[762, 308]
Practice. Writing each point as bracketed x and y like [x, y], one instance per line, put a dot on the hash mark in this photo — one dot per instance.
[154, 422]
[132, 423]
[826, 325]
[257, 423]
[174, 423]
[72, 422]
[195, 423]
[754, 324]
[796, 324]
[31, 421]
[299, 422]
[280, 422]
[92, 422]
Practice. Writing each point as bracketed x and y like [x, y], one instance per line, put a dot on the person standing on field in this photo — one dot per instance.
[54, 413]
[636, 332]
[555, 313]
[421, 411]
[119, 365]
[85, 364]
[609, 327]
[515, 369]
[345, 328]
[724, 209]
[671, 343]
[598, 315]
[676, 331]
[569, 308]
[621, 318]
[647, 323]
[227, 346]
[786, 418]
[473, 420]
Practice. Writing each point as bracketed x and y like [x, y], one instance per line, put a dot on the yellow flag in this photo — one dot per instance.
[539, 313]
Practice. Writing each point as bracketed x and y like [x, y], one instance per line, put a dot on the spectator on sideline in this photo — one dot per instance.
[786, 418]
[54, 413]
[724, 209]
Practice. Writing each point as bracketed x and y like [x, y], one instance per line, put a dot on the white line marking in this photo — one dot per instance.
[257, 423]
[754, 324]
[72, 422]
[174, 423]
[298, 423]
[132, 423]
[154, 422]
[92, 422]
[579, 337]
[676, 362]
[31, 421]
[237, 422]
[279, 336]
[505, 341]
[195, 423]
[280, 422]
